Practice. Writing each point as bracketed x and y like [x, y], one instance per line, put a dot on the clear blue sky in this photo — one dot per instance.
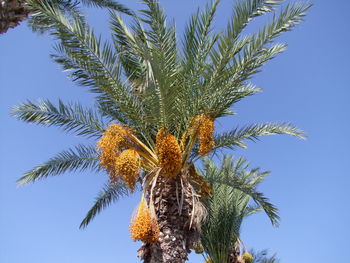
[307, 85]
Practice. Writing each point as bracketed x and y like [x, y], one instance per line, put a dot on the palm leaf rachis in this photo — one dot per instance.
[156, 105]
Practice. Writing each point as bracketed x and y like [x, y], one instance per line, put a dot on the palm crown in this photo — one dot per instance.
[156, 107]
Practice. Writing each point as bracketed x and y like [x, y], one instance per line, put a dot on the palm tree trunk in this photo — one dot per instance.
[12, 12]
[174, 202]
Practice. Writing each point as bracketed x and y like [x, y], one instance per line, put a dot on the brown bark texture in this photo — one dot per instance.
[174, 206]
[12, 12]
[234, 254]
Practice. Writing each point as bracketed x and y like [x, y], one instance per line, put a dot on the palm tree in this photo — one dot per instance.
[155, 109]
[234, 189]
[13, 12]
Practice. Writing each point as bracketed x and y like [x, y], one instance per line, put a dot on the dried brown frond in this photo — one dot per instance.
[200, 214]
[204, 186]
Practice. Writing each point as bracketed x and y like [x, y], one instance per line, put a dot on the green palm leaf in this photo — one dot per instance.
[237, 136]
[160, 54]
[235, 175]
[109, 194]
[228, 46]
[129, 46]
[236, 61]
[80, 158]
[198, 42]
[41, 24]
[70, 117]
[90, 62]
[263, 257]
[111, 4]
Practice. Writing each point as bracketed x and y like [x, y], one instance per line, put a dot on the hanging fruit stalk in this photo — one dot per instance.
[143, 227]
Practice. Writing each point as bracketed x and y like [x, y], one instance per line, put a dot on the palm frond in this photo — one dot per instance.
[255, 54]
[39, 24]
[236, 61]
[197, 41]
[80, 158]
[252, 209]
[235, 175]
[110, 112]
[111, 4]
[257, 196]
[70, 117]
[253, 132]
[80, 49]
[90, 62]
[245, 10]
[108, 195]
[160, 54]
[228, 46]
[149, 60]
[263, 257]
[222, 99]
[130, 46]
